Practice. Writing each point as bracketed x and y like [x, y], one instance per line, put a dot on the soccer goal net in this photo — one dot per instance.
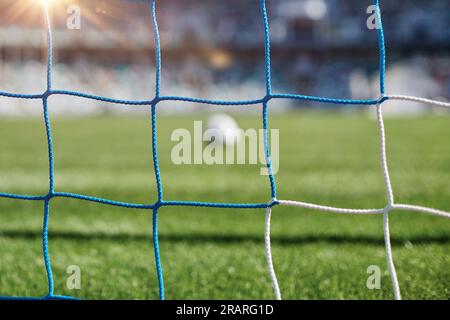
[265, 102]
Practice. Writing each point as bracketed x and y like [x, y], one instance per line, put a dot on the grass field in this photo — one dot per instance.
[219, 253]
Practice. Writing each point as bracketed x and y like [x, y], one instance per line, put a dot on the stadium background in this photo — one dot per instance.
[215, 49]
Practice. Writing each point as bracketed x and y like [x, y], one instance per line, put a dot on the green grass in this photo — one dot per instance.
[219, 253]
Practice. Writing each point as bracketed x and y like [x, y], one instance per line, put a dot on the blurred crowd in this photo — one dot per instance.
[214, 48]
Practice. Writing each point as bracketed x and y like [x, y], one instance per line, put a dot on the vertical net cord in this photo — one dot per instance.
[382, 48]
[156, 249]
[383, 156]
[265, 18]
[267, 242]
[48, 129]
[268, 80]
[266, 100]
[390, 205]
[273, 276]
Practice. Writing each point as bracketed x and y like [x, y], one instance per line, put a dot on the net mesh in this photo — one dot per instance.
[264, 101]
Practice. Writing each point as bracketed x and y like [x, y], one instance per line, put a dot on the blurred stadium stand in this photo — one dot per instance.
[214, 49]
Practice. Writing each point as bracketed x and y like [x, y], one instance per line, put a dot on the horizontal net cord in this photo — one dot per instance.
[22, 197]
[131, 205]
[20, 95]
[181, 203]
[402, 207]
[48, 297]
[420, 209]
[418, 99]
[329, 209]
[102, 200]
[274, 96]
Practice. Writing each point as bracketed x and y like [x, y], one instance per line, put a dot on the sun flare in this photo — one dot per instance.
[31, 11]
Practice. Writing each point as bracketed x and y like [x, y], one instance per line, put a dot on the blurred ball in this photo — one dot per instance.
[222, 129]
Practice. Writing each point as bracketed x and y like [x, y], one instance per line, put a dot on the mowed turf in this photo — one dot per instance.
[219, 253]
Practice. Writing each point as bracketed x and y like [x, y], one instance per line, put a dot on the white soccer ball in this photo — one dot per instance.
[223, 130]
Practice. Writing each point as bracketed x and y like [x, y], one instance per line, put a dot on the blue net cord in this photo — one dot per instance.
[264, 101]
